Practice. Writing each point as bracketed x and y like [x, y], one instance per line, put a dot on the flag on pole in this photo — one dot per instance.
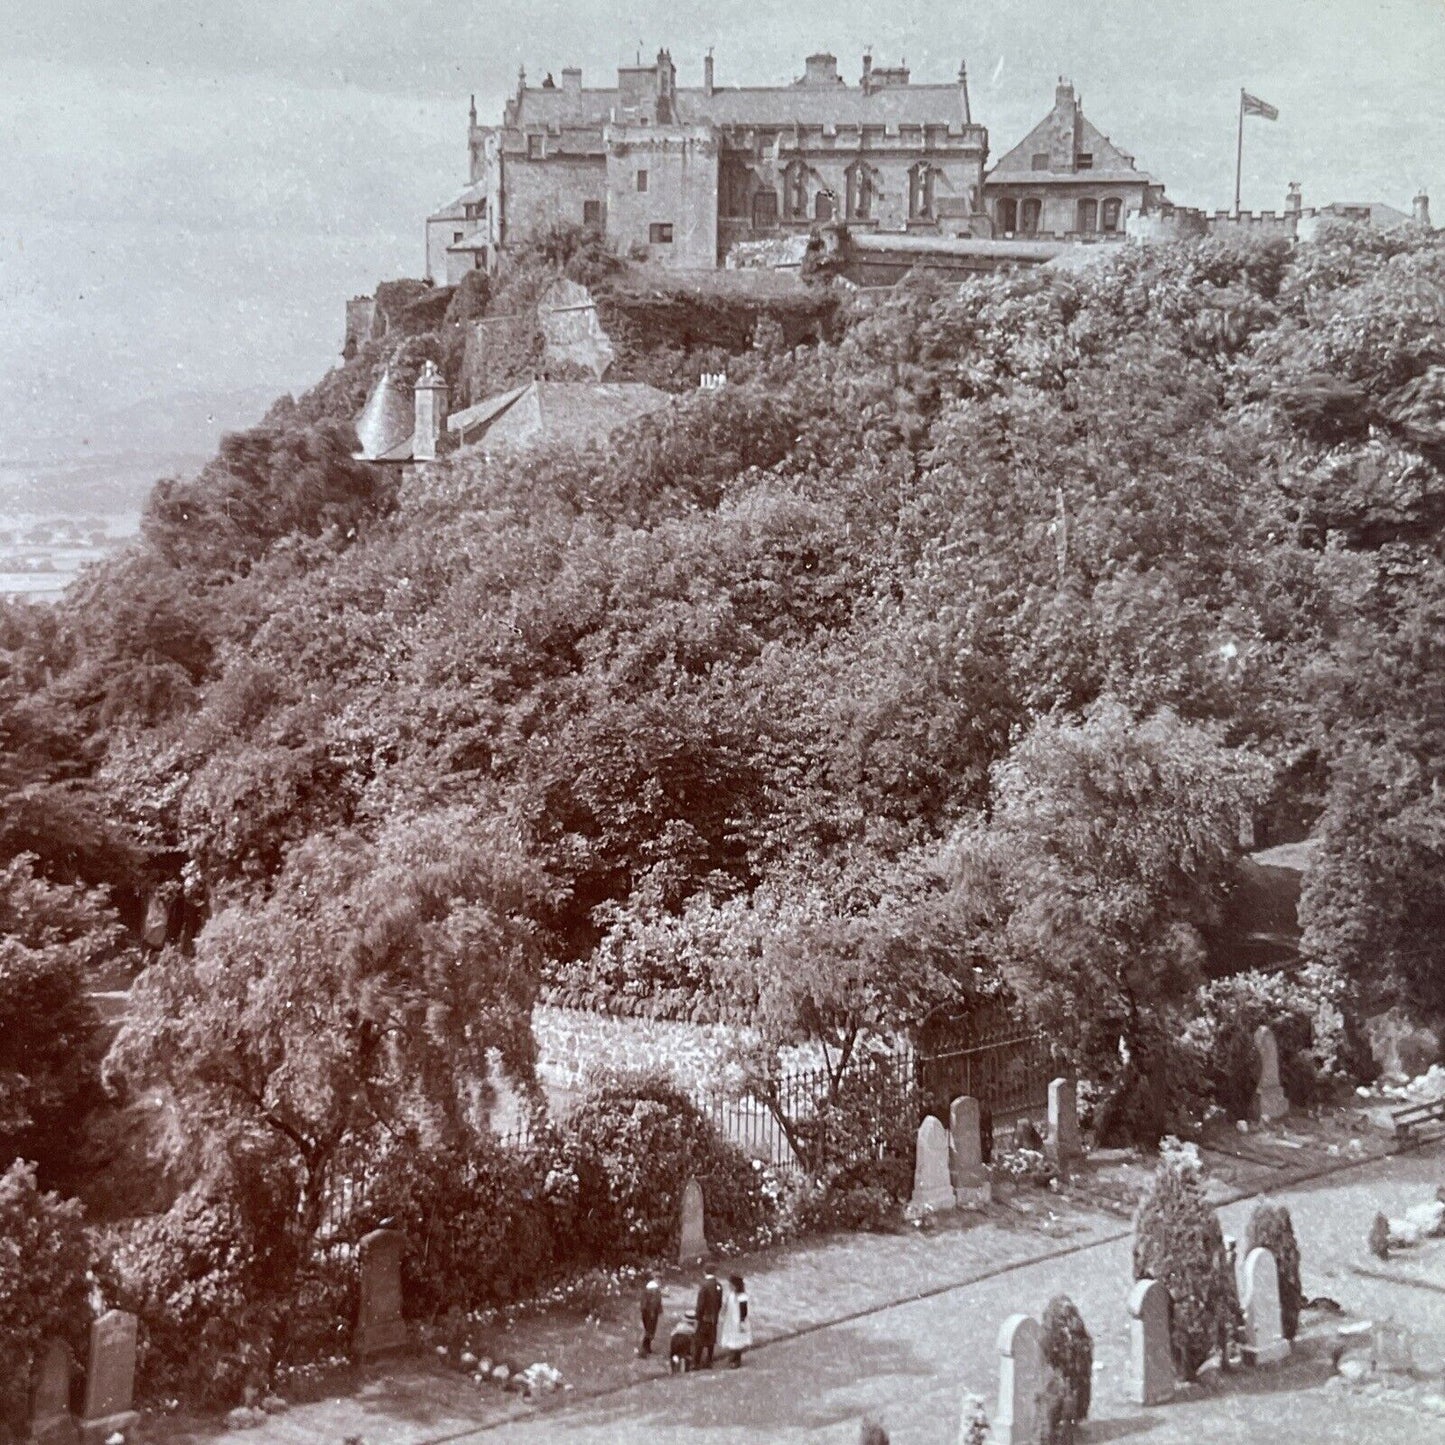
[1253, 105]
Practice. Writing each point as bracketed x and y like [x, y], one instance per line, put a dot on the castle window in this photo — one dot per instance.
[860, 191]
[1040, 161]
[1008, 216]
[1085, 161]
[660, 232]
[1088, 217]
[534, 147]
[795, 191]
[1111, 216]
[765, 209]
[823, 206]
[920, 192]
[642, 180]
[1029, 216]
[457, 236]
[591, 213]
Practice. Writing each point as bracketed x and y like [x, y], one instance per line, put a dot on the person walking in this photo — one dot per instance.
[709, 1307]
[651, 1313]
[735, 1334]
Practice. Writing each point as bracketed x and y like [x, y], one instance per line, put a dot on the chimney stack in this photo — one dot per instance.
[867, 80]
[431, 413]
[572, 80]
[1420, 207]
[707, 72]
[1293, 201]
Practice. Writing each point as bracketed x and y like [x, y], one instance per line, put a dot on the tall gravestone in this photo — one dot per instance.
[1064, 1143]
[967, 1172]
[1269, 1100]
[379, 1325]
[1020, 1381]
[693, 1245]
[110, 1378]
[1151, 1364]
[1264, 1341]
[51, 1422]
[932, 1188]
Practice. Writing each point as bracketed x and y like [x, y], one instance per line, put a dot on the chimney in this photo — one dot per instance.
[707, 72]
[1293, 201]
[431, 413]
[820, 69]
[1420, 207]
[473, 113]
[963, 86]
[867, 80]
[572, 80]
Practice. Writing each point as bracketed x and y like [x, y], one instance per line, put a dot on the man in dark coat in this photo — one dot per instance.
[709, 1307]
[651, 1313]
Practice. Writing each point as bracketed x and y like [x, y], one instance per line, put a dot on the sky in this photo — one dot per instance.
[193, 188]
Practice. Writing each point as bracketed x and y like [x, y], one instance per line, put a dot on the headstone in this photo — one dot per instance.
[1064, 1122]
[1020, 1381]
[379, 1325]
[932, 1188]
[110, 1379]
[1264, 1341]
[1390, 1348]
[1269, 1099]
[693, 1246]
[51, 1422]
[1151, 1365]
[967, 1173]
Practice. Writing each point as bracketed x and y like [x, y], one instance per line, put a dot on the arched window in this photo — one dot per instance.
[795, 191]
[823, 206]
[1088, 217]
[1008, 215]
[860, 191]
[1111, 215]
[920, 192]
[1029, 217]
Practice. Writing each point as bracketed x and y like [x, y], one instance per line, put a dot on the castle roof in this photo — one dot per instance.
[457, 210]
[578, 413]
[1065, 137]
[386, 423]
[763, 105]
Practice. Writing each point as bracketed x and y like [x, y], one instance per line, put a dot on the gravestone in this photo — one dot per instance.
[932, 1188]
[1390, 1348]
[1021, 1374]
[379, 1325]
[51, 1422]
[110, 1379]
[1264, 1341]
[693, 1245]
[967, 1173]
[1269, 1100]
[1064, 1142]
[1151, 1365]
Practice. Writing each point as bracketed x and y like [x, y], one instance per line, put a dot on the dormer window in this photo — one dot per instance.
[1085, 161]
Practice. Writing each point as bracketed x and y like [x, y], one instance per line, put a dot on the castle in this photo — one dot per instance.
[682, 175]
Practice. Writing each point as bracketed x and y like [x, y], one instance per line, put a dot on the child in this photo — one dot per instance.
[679, 1347]
[736, 1333]
[651, 1313]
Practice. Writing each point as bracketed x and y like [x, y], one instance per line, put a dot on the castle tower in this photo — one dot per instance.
[1420, 209]
[431, 412]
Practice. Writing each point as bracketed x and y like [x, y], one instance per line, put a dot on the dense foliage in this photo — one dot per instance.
[1068, 1350]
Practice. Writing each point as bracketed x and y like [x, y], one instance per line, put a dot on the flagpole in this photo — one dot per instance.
[1239, 153]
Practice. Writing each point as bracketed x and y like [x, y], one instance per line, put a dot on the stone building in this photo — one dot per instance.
[681, 174]
[1066, 179]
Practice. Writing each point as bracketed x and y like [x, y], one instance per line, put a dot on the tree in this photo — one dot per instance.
[1108, 845]
[366, 992]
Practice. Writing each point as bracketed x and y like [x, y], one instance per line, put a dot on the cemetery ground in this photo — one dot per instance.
[899, 1325]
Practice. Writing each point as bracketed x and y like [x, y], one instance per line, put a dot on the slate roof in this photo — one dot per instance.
[456, 210]
[1383, 216]
[1110, 163]
[386, 423]
[574, 412]
[771, 105]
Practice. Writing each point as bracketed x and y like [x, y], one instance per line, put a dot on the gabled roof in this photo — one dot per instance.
[456, 210]
[577, 413]
[1065, 120]
[386, 423]
[1386, 218]
[771, 105]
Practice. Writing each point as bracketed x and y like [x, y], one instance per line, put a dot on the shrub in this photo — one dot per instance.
[480, 1222]
[44, 1254]
[638, 1139]
[1069, 1350]
[1379, 1237]
[1271, 1228]
[1234, 1069]
[1177, 1240]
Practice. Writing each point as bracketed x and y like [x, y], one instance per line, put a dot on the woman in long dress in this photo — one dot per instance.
[735, 1331]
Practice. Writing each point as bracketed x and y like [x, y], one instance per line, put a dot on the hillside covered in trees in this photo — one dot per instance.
[943, 655]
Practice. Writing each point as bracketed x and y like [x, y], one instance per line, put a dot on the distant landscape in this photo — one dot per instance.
[65, 501]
